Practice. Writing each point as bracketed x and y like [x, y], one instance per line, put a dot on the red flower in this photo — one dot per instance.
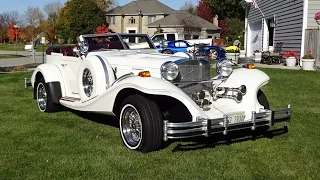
[290, 54]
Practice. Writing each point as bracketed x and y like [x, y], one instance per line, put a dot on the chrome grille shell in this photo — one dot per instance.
[192, 72]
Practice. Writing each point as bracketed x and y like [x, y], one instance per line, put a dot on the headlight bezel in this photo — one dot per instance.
[224, 67]
[169, 76]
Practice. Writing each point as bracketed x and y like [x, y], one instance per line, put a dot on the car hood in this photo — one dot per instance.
[126, 61]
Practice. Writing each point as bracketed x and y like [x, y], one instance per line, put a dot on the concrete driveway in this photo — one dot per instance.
[27, 59]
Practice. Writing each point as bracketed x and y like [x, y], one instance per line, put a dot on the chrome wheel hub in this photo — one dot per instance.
[131, 126]
[41, 97]
[87, 82]
[213, 54]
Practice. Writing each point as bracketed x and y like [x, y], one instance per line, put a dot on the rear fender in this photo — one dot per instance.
[51, 73]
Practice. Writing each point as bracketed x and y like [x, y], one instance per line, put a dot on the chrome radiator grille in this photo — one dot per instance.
[194, 74]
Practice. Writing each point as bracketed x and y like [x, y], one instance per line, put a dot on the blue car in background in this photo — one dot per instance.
[171, 47]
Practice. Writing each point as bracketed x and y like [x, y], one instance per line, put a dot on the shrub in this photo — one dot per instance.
[4, 69]
[308, 55]
[19, 69]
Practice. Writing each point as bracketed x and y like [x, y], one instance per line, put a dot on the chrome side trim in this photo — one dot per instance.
[123, 77]
[104, 68]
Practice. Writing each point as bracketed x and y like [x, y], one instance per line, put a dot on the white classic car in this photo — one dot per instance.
[155, 96]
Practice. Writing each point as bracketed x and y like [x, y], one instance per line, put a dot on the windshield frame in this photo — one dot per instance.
[120, 37]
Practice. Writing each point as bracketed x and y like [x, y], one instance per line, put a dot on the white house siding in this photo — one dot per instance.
[313, 8]
[289, 18]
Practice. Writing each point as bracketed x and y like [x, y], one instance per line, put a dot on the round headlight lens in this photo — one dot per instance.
[87, 82]
[224, 67]
[169, 71]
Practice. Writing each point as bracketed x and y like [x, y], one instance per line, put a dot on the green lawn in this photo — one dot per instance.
[20, 47]
[6, 56]
[69, 145]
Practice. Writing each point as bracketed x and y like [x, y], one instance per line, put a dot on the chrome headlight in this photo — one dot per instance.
[87, 82]
[169, 71]
[224, 67]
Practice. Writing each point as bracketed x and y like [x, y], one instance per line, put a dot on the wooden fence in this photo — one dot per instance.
[312, 42]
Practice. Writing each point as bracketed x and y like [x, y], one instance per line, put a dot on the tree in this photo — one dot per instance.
[227, 8]
[102, 29]
[13, 32]
[103, 4]
[5, 19]
[77, 18]
[188, 7]
[204, 11]
[50, 25]
[34, 17]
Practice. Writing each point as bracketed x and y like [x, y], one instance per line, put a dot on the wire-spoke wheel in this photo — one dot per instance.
[141, 124]
[213, 54]
[43, 97]
[131, 125]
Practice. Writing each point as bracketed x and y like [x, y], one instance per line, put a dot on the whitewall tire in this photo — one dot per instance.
[141, 124]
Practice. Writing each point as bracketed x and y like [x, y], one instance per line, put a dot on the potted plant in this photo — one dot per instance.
[308, 61]
[317, 17]
[290, 58]
[233, 53]
[242, 52]
[257, 55]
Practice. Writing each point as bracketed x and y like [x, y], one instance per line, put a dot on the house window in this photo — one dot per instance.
[111, 19]
[132, 20]
[151, 19]
[171, 37]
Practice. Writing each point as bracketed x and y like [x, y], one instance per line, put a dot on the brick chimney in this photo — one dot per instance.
[215, 20]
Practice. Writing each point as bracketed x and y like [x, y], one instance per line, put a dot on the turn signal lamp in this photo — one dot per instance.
[144, 74]
[249, 66]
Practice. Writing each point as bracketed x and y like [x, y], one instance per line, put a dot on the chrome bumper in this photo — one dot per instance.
[207, 127]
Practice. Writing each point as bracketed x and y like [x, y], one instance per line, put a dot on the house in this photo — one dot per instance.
[136, 15]
[287, 21]
[188, 25]
[149, 16]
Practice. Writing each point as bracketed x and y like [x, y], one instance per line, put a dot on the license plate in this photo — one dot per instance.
[236, 117]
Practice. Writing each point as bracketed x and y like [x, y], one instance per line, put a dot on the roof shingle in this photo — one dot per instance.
[182, 18]
[146, 7]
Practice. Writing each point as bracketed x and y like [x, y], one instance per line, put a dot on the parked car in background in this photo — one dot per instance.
[155, 97]
[172, 47]
[156, 38]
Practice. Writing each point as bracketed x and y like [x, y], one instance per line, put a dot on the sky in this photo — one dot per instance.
[21, 5]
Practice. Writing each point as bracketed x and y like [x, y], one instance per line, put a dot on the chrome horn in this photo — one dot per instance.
[230, 93]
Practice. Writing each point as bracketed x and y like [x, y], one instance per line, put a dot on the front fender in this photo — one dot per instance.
[152, 86]
[50, 73]
[253, 79]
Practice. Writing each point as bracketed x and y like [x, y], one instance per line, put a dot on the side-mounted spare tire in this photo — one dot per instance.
[141, 124]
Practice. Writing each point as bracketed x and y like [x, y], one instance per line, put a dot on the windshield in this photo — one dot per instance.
[118, 41]
[137, 41]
